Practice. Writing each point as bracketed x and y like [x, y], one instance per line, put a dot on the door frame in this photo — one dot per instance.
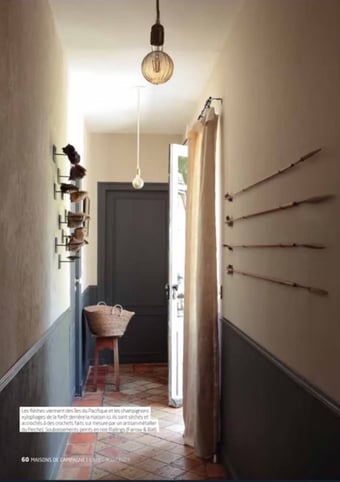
[76, 328]
[76, 323]
[102, 189]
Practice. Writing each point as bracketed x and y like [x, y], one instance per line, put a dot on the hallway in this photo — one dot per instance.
[130, 456]
[69, 75]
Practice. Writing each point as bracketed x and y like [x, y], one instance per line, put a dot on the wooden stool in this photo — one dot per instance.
[110, 342]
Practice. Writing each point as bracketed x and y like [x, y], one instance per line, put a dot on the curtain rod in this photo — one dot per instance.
[205, 108]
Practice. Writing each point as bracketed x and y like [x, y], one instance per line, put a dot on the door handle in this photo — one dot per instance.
[166, 288]
[174, 291]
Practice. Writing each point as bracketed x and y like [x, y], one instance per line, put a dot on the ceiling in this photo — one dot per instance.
[105, 42]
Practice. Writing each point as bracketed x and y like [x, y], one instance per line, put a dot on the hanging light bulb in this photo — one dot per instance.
[138, 182]
[157, 66]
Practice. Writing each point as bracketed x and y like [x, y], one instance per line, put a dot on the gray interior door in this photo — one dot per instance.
[133, 264]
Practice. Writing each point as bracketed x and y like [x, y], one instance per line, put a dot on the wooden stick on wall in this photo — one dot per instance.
[311, 200]
[230, 196]
[279, 245]
[318, 291]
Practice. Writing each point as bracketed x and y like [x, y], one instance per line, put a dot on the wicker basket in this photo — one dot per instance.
[106, 320]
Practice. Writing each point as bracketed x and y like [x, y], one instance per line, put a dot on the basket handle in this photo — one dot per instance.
[101, 303]
[115, 307]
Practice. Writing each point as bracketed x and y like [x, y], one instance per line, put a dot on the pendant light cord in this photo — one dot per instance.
[137, 182]
[138, 122]
[157, 10]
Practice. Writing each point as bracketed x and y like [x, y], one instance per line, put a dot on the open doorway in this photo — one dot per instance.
[177, 212]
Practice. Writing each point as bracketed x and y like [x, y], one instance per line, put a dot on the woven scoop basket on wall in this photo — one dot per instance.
[104, 320]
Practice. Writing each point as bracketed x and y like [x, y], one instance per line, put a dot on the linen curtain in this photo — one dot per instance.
[200, 357]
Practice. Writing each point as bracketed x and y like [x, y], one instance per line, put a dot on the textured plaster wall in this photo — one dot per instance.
[33, 293]
[279, 76]
[112, 158]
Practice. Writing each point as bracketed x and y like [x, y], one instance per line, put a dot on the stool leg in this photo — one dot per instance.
[116, 363]
[96, 361]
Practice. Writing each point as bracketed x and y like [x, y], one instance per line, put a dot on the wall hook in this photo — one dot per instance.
[60, 221]
[55, 191]
[59, 176]
[71, 259]
[55, 153]
[56, 245]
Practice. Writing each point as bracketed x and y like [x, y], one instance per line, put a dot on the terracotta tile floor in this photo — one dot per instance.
[139, 455]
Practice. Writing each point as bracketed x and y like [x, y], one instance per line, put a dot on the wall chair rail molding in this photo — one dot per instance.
[230, 221]
[231, 196]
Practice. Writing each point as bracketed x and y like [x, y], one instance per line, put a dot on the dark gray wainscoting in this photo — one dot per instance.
[40, 378]
[274, 424]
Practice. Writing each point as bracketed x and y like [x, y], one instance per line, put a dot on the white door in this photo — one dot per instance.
[177, 195]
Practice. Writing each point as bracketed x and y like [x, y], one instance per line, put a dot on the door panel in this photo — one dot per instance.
[178, 188]
[133, 260]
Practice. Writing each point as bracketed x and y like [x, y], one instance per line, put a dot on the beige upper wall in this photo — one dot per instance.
[279, 77]
[112, 158]
[33, 292]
